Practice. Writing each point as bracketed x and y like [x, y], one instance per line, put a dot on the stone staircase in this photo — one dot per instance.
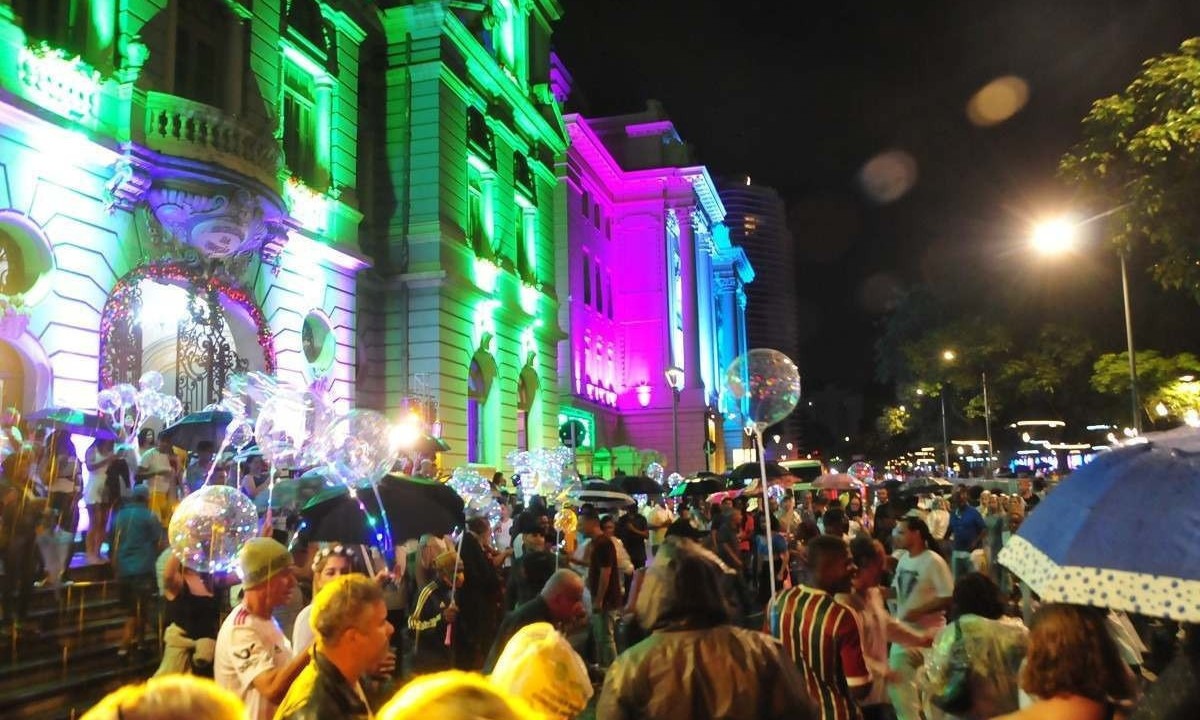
[65, 658]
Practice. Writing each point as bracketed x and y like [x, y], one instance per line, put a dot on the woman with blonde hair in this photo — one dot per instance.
[454, 695]
[1073, 667]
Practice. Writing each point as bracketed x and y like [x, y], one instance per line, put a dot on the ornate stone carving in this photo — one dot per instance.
[127, 186]
[228, 222]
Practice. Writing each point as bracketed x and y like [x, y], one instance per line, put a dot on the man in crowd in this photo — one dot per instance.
[253, 658]
[821, 635]
[658, 519]
[198, 469]
[159, 467]
[967, 530]
[633, 530]
[1025, 490]
[353, 638]
[560, 603]
[479, 597]
[137, 536]
[604, 585]
[435, 636]
[923, 590]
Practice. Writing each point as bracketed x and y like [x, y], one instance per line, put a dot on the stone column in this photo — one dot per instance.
[323, 152]
[688, 304]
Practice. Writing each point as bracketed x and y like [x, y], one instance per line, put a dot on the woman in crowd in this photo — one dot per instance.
[993, 647]
[193, 615]
[1073, 669]
[173, 696]
[996, 521]
[329, 563]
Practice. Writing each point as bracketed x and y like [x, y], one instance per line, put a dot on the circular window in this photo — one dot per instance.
[316, 335]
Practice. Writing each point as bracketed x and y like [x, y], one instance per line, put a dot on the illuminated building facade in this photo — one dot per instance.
[465, 238]
[653, 282]
[178, 195]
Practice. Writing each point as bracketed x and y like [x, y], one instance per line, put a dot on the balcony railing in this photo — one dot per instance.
[188, 129]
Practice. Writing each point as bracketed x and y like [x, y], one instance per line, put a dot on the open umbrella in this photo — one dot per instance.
[414, 507]
[189, 430]
[605, 498]
[837, 481]
[637, 485]
[925, 486]
[74, 421]
[699, 486]
[751, 471]
[1122, 532]
[597, 484]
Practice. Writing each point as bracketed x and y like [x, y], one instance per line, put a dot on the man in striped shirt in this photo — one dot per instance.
[821, 635]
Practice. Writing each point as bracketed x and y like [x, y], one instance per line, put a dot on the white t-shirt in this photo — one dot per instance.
[658, 515]
[158, 464]
[302, 633]
[93, 480]
[248, 646]
[919, 580]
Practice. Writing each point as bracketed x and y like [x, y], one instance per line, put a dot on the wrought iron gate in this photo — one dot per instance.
[204, 357]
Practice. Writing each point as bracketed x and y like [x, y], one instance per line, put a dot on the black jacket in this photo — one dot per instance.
[320, 691]
[534, 611]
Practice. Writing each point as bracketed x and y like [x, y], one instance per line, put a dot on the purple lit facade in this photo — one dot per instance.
[652, 282]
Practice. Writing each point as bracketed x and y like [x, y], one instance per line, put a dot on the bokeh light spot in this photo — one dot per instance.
[888, 176]
[997, 101]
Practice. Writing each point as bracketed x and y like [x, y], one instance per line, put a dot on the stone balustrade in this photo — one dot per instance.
[185, 128]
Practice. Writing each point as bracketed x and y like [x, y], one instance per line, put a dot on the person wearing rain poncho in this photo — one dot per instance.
[994, 650]
[696, 663]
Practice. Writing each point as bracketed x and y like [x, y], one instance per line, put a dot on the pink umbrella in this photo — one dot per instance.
[837, 481]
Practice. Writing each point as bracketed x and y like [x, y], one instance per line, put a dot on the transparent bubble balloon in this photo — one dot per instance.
[108, 401]
[316, 448]
[169, 408]
[673, 480]
[283, 426]
[655, 472]
[776, 493]
[149, 402]
[764, 385]
[359, 447]
[260, 387]
[210, 526]
[128, 394]
[151, 380]
[474, 489]
[861, 471]
[240, 433]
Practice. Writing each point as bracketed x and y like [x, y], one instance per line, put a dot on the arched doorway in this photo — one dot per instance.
[479, 387]
[195, 329]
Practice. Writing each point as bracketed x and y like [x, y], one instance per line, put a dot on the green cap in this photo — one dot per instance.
[262, 559]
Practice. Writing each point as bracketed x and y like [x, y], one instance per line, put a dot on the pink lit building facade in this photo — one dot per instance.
[651, 281]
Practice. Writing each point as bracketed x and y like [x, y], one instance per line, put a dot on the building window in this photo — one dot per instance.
[201, 57]
[610, 297]
[300, 123]
[526, 390]
[599, 289]
[587, 280]
[12, 267]
[480, 137]
[53, 21]
[596, 216]
[526, 247]
[474, 228]
[585, 203]
[608, 228]
[477, 391]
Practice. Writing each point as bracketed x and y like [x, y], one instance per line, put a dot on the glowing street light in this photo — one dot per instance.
[675, 379]
[949, 355]
[1059, 235]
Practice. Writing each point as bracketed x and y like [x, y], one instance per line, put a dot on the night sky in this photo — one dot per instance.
[800, 95]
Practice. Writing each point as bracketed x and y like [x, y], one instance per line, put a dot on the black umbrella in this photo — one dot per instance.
[188, 431]
[598, 484]
[925, 486]
[414, 507]
[751, 471]
[637, 485]
[74, 421]
[702, 486]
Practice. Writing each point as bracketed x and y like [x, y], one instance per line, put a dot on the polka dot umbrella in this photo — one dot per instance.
[1122, 532]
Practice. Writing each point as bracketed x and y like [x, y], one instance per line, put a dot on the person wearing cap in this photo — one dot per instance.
[353, 637]
[433, 621]
[137, 536]
[253, 658]
[539, 666]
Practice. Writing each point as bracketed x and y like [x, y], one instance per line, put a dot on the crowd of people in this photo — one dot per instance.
[882, 605]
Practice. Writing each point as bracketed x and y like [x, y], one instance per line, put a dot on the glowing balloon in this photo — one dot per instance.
[210, 526]
[358, 446]
[151, 380]
[260, 386]
[128, 394]
[765, 385]
[861, 471]
[320, 432]
[149, 402]
[474, 489]
[655, 472]
[169, 408]
[776, 493]
[566, 521]
[240, 433]
[673, 480]
[108, 401]
[282, 427]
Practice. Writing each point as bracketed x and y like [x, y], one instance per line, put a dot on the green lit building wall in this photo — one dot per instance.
[468, 301]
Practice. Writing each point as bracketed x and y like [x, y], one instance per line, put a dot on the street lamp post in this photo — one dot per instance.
[947, 356]
[1058, 236]
[674, 376]
[987, 426]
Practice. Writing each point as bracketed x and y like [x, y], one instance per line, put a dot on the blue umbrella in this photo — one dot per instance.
[190, 429]
[1122, 532]
[74, 421]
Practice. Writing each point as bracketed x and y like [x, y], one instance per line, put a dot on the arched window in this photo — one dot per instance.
[478, 386]
[12, 266]
[526, 392]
